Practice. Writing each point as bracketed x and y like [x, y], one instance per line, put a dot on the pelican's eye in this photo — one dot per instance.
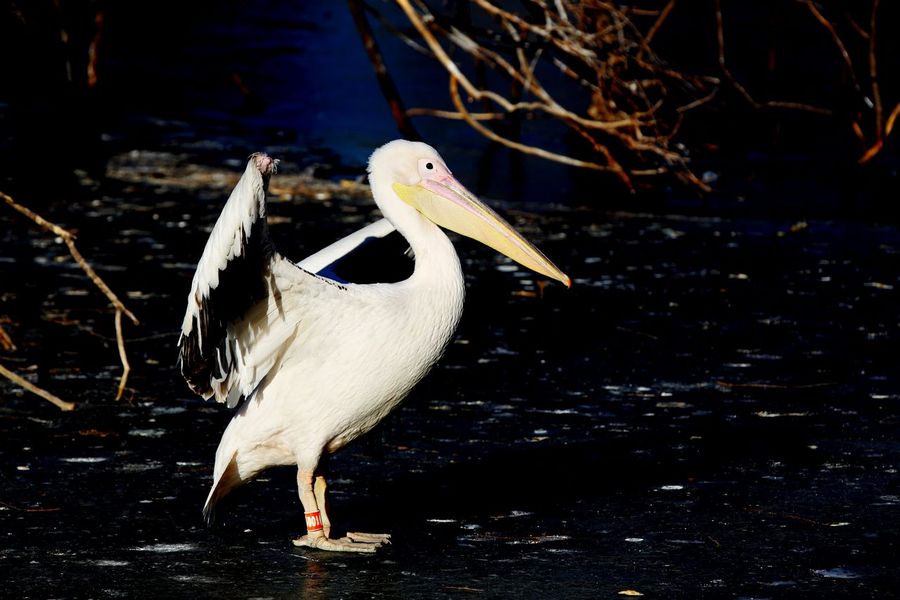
[430, 168]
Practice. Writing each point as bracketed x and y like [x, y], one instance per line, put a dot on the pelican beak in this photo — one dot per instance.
[447, 203]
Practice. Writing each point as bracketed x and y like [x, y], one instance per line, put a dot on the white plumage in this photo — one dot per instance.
[317, 362]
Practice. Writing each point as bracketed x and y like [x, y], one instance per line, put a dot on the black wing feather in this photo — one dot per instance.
[204, 352]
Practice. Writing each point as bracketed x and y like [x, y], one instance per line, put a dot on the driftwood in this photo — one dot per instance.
[69, 239]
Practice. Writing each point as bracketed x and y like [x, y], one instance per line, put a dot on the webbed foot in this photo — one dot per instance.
[366, 543]
[382, 539]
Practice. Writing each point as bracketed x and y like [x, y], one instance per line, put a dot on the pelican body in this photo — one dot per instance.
[312, 363]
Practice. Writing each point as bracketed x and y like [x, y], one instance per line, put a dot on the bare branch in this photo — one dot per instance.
[69, 240]
[120, 308]
[5, 341]
[452, 115]
[720, 39]
[873, 73]
[651, 33]
[388, 88]
[24, 383]
[835, 37]
[460, 106]
[889, 126]
[126, 368]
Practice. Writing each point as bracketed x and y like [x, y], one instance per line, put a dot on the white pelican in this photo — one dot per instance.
[315, 361]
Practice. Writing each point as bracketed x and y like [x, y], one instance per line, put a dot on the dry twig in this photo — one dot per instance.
[779, 104]
[880, 127]
[119, 307]
[24, 383]
[120, 343]
[873, 70]
[5, 341]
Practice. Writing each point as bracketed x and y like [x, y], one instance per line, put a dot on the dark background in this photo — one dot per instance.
[294, 79]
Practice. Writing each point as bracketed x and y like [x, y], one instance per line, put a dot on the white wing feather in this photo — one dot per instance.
[233, 331]
[232, 230]
[344, 246]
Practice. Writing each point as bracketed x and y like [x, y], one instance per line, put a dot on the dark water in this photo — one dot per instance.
[711, 411]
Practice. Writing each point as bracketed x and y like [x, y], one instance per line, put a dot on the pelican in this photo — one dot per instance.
[310, 362]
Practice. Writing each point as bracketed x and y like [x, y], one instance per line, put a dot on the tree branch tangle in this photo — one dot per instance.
[588, 71]
[618, 103]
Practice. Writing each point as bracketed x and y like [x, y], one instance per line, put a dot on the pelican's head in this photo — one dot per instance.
[420, 178]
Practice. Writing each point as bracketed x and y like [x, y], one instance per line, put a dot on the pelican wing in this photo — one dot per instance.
[377, 253]
[234, 330]
[331, 255]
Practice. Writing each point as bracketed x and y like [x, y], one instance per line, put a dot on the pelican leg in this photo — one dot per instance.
[320, 487]
[312, 496]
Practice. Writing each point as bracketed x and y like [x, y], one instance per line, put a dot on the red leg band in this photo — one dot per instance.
[313, 521]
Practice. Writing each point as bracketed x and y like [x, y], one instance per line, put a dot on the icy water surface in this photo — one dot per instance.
[711, 411]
